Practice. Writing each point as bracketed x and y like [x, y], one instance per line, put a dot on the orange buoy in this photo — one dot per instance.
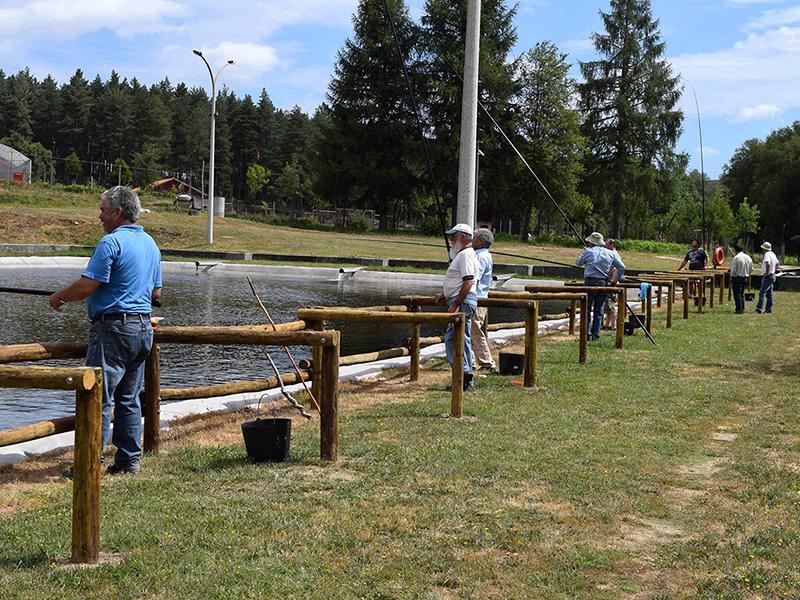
[719, 256]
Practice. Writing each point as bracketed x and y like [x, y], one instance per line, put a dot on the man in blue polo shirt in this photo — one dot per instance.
[597, 262]
[482, 359]
[120, 282]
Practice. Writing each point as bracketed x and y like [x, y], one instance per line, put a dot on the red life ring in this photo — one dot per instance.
[719, 256]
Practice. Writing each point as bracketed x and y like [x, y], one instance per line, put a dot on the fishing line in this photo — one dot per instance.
[419, 124]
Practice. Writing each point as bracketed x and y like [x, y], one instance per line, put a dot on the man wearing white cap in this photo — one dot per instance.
[459, 289]
[769, 266]
[597, 261]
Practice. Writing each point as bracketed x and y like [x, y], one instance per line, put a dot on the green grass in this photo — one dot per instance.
[40, 216]
[651, 472]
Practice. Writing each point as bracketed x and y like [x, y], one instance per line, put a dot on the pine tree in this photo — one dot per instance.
[22, 88]
[551, 129]
[47, 112]
[444, 23]
[368, 149]
[628, 102]
[77, 104]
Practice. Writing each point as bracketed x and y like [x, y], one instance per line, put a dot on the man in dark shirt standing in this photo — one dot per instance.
[120, 282]
[697, 259]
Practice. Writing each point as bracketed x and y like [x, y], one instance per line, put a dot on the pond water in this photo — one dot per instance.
[199, 300]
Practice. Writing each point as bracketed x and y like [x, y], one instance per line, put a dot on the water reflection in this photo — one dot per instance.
[198, 300]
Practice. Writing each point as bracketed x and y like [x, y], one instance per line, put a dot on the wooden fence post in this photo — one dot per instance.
[649, 311]
[685, 291]
[152, 400]
[414, 343]
[457, 395]
[329, 399]
[622, 296]
[86, 474]
[701, 294]
[316, 361]
[584, 327]
[658, 298]
[573, 306]
[531, 340]
[713, 282]
[670, 300]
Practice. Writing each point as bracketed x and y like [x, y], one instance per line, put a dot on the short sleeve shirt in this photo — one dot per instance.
[463, 268]
[696, 259]
[127, 263]
[484, 272]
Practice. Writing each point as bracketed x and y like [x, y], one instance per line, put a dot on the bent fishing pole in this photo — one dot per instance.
[289, 354]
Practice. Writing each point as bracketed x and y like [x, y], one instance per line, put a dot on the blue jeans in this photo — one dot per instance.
[767, 283]
[595, 306]
[468, 308]
[120, 350]
[738, 284]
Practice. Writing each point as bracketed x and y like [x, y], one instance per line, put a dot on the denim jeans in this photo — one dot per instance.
[738, 284]
[120, 350]
[468, 308]
[767, 283]
[595, 308]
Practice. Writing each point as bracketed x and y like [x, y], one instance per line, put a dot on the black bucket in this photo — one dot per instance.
[267, 439]
[512, 364]
[628, 328]
[637, 317]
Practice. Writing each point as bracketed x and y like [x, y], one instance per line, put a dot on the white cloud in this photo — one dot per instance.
[752, 72]
[776, 18]
[60, 19]
[756, 113]
[707, 151]
[577, 46]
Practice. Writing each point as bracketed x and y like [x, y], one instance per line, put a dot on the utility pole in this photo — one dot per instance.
[465, 210]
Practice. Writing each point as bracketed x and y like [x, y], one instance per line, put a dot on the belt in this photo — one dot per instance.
[141, 317]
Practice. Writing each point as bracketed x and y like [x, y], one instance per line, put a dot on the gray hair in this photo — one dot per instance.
[485, 236]
[124, 198]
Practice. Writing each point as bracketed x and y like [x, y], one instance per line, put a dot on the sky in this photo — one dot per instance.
[741, 57]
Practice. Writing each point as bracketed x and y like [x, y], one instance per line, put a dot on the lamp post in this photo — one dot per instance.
[210, 229]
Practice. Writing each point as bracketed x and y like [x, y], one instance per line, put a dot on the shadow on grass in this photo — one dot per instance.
[27, 561]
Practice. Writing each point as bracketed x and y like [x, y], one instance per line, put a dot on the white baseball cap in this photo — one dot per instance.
[460, 228]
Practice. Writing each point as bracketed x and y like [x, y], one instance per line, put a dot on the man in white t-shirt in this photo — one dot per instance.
[459, 289]
[769, 266]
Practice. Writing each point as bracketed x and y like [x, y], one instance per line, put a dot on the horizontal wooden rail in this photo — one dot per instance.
[359, 359]
[50, 378]
[228, 389]
[32, 352]
[347, 314]
[240, 335]
[35, 431]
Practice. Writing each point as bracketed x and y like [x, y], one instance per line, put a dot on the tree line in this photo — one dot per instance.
[604, 148]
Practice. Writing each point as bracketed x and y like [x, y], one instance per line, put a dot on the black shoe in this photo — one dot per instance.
[756, 312]
[116, 469]
[468, 385]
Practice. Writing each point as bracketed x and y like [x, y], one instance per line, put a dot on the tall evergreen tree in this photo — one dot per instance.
[245, 150]
[550, 127]
[628, 102]
[444, 24]
[47, 112]
[77, 104]
[367, 151]
[269, 134]
[22, 90]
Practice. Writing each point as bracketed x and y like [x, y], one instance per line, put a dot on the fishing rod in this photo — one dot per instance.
[289, 354]
[14, 290]
[419, 124]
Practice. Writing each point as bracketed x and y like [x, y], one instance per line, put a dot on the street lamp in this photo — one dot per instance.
[210, 229]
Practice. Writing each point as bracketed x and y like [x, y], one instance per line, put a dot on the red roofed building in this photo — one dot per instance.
[173, 184]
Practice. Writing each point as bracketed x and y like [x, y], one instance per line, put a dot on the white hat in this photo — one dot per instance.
[766, 246]
[460, 228]
[596, 239]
